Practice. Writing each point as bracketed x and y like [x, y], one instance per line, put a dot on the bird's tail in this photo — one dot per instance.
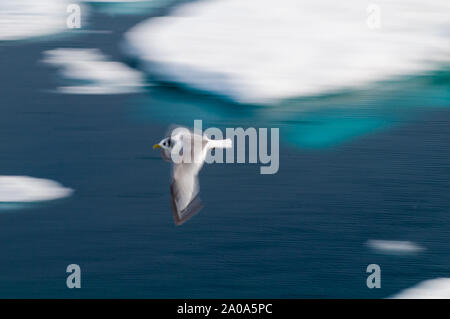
[221, 143]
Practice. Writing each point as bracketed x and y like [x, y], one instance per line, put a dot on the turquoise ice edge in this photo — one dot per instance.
[312, 122]
[129, 8]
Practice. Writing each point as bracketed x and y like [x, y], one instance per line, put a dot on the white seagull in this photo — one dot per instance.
[187, 152]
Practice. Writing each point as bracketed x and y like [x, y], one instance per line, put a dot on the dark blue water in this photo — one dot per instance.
[381, 171]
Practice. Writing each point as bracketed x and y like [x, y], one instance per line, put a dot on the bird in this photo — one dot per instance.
[187, 152]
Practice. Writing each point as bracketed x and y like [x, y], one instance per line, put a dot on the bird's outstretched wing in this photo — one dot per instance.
[185, 186]
[184, 192]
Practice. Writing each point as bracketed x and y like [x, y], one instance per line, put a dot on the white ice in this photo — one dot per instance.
[23, 19]
[98, 74]
[438, 288]
[262, 51]
[394, 246]
[24, 189]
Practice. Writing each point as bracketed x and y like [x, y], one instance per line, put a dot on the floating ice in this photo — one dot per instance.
[438, 288]
[257, 52]
[94, 72]
[22, 19]
[24, 189]
[394, 246]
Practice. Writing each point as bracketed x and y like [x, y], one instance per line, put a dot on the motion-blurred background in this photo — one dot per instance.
[360, 92]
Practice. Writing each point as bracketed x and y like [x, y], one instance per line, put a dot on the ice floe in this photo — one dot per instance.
[23, 19]
[93, 72]
[438, 288]
[257, 52]
[394, 246]
[24, 189]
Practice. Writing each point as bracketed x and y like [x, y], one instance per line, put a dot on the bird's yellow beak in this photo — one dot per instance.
[156, 146]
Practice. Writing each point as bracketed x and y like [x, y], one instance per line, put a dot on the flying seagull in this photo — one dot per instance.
[187, 152]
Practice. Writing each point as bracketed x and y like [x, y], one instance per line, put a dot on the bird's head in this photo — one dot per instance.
[165, 144]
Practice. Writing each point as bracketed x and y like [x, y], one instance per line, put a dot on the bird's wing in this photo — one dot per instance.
[185, 186]
[199, 155]
[194, 149]
[184, 192]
